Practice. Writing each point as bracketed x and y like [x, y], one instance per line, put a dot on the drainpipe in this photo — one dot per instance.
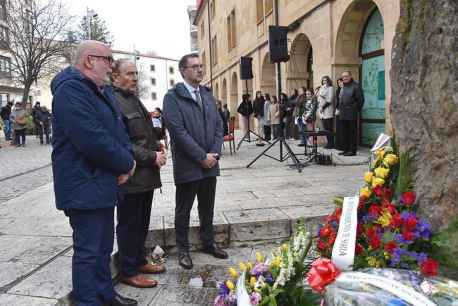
[210, 45]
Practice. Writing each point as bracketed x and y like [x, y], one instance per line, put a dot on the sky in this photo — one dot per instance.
[161, 26]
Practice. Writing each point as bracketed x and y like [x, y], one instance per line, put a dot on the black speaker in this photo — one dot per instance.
[278, 44]
[245, 68]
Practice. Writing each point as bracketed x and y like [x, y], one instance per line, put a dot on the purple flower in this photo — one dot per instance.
[318, 230]
[424, 229]
[222, 289]
[405, 215]
[368, 218]
[421, 257]
[399, 238]
[219, 301]
[268, 278]
[334, 224]
[255, 298]
[396, 257]
[259, 268]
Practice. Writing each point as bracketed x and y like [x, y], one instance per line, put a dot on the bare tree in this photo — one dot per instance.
[37, 30]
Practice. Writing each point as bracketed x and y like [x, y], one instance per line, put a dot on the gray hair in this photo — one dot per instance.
[84, 48]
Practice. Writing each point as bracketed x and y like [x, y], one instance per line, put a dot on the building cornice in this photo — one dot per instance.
[144, 55]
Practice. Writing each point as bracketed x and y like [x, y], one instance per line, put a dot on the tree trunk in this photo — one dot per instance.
[424, 107]
[25, 93]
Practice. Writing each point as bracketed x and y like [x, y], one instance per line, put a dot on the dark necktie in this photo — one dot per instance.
[198, 99]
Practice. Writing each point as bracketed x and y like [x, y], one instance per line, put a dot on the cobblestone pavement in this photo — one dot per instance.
[23, 169]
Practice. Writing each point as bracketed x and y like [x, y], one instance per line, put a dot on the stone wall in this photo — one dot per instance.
[424, 107]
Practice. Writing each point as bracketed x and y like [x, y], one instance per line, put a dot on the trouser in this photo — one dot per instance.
[185, 195]
[267, 132]
[349, 135]
[287, 127]
[46, 131]
[259, 127]
[133, 213]
[301, 127]
[7, 129]
[328, 125]
[276, 130]
[339, 134]
[93, 235]
[18, 135]
[39, 129]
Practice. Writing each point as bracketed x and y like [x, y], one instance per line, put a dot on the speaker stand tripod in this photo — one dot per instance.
[247, 137]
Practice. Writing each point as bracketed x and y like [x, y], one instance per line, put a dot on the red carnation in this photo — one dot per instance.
[375, 210]
[332, 239]
[359, 230]
[390, 246]
[321, 245]
[407, 235]
[391, 209]
[387, 193]
[370, 232]
[358, 249]
[410, 223]
[338, 212]
[408, 198]
[374, 242]
[429, 267]
[377, 190]
[325, 231]
[396, 221]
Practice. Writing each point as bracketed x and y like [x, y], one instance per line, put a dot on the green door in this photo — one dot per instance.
[373, 79]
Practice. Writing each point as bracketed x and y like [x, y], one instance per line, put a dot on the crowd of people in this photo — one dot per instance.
[15, 123]
[335, 110]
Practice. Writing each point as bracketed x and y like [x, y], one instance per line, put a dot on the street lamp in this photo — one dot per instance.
[89, 15]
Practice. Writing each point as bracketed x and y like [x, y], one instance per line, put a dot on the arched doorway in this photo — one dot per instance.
[268, 76]
[360, 49]
[216, 91]
[224, 93]
[299, 68]
[373, 78]
[234, 93]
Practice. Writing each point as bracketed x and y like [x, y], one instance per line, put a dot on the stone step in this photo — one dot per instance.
[241, 227]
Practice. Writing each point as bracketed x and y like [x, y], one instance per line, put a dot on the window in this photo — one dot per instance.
[259, 10]
[153, 81]
[172, 83]
[3, 9]
[5, 66]
[212, 9]
[154, 96]
[214, 51]
[231, 31]
[171, 70]
[152, 68]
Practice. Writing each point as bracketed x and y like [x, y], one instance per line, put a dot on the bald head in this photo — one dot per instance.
[125, 75]
[93, 59]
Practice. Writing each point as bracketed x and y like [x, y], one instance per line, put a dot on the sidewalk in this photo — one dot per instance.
[253, 206]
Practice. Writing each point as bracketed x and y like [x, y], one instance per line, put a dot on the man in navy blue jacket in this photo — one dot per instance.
[196, 133]
[91, 157]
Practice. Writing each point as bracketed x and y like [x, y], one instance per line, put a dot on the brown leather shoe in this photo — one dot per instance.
[139, 281]
[215, 251]
[152, 269]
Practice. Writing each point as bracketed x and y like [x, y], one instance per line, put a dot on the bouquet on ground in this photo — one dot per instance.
[277, 280]
[389, 231]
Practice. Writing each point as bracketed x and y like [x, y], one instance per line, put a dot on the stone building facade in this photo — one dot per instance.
[325, 37]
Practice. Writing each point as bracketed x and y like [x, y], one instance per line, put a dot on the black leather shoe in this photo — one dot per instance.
[185, 261]
[343, 153]
[350, 154]
[215, 251]
[119, 300]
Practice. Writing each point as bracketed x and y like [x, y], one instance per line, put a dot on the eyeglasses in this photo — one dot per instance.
[108, 59]
[195, 67]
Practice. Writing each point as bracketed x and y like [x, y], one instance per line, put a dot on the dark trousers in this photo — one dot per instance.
[267, 132]
[338, 144]
[93, 236]
[185, 195]
[349, 135]
[328, 125]
[133, 214]
[18, 135]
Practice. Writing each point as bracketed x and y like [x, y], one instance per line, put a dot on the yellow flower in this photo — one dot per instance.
[230, 285]
[252, 281]
[379, 155]
[365, 192]
[386, 254]
[276, 261]
[385, 219]
[390, 160]
[233, 273]
[368, 177]
[377, 182]
[249, 266]
[284, 247]
[373, 262]
[259, 257]
[242, 266]
[382, 172]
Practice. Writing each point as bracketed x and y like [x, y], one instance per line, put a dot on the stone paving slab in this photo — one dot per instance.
[20, 300]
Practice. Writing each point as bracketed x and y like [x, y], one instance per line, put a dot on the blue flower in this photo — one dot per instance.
[222, 289]
[422, 257]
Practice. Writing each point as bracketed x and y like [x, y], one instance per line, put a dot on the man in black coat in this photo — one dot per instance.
[134, 209]
[351, 101]
[5, 115]
[196, 133]
[36, 116]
